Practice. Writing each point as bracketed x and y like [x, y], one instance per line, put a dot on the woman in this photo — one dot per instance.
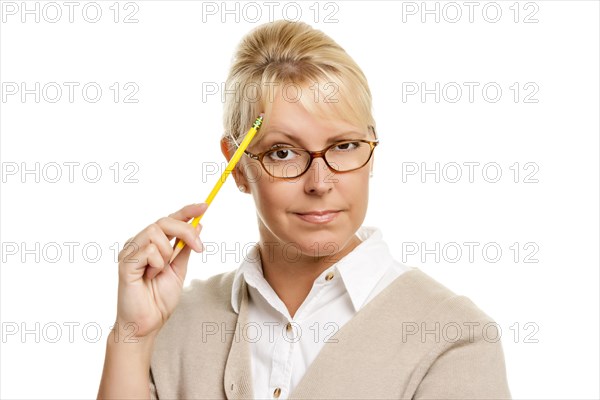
[319, 308]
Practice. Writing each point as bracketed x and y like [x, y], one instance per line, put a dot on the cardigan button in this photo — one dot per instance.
[288, 327]
[329, 276]
[276, 393]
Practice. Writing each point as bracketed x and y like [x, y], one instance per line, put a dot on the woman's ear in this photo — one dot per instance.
[239, 178]
[225, 148]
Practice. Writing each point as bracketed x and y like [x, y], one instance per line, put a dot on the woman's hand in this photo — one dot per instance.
[150, 287]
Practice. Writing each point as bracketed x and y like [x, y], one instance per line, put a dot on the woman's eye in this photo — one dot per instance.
[347, 146]
[281, 154]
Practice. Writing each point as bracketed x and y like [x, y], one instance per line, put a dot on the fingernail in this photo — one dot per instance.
[199, 244]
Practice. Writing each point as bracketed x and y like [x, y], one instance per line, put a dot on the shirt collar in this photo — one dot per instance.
[360, 269]
[251, 264]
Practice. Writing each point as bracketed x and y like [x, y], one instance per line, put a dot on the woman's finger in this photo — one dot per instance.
[180, 263]
[132, 267]
[174, 228]
[156, 263]
[189, 211]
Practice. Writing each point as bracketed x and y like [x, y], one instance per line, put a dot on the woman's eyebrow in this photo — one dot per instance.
[344, 135]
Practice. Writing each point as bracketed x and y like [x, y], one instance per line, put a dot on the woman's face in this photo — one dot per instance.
[317, 213]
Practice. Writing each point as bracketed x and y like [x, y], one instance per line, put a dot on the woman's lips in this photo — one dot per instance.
[318, 217]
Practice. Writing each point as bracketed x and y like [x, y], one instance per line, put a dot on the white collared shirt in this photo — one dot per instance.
[282, 348]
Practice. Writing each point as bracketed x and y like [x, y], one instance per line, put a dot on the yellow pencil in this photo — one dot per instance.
[230, 166]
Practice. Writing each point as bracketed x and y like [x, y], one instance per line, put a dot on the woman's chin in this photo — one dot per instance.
[315, 245]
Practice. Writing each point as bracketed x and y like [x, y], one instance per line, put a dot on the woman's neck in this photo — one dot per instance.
[292, 280]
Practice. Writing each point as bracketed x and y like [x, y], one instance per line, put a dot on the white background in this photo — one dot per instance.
[171, 134]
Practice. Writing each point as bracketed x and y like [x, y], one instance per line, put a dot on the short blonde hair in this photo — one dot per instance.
[288, 54]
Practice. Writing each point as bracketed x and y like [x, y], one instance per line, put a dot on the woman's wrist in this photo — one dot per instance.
[122, 337]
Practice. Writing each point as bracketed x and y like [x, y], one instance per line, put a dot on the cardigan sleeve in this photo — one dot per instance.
[467, 370]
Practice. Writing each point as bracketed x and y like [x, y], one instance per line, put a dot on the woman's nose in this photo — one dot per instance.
[319, 177]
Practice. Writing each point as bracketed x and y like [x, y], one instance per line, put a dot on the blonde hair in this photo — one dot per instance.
[283, 54]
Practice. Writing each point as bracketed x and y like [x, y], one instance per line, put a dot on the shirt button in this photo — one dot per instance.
[288, 327]
[276, 393]
[329, 276]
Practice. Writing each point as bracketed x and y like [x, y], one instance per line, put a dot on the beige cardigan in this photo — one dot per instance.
[379, 354]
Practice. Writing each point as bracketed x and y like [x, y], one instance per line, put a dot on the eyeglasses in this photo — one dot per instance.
[291, 162]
